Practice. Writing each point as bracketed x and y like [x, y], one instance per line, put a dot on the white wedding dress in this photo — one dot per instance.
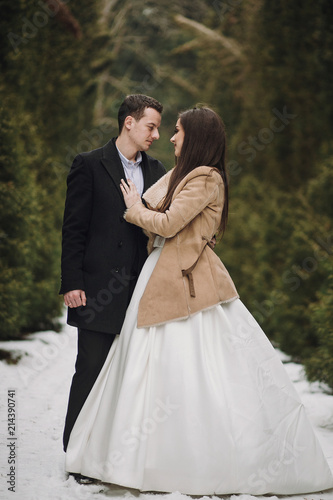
[201, 406]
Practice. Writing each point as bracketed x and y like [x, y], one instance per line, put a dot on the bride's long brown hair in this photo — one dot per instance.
[204, 145]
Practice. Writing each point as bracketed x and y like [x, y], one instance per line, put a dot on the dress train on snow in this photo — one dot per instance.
[201, 406]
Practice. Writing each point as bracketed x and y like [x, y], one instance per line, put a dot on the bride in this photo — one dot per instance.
[192, 396]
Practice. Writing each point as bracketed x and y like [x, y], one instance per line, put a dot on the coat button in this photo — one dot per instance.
[120, 244]
[116, 269]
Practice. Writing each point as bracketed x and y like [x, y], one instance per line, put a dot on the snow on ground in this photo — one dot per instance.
[41, 382]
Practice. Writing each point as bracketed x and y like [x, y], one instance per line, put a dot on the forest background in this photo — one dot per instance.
[265, 66]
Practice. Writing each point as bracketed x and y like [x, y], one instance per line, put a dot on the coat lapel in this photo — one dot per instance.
[146, 170]
[113, 165]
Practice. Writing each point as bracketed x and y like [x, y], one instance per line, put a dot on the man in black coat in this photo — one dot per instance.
[102, 255]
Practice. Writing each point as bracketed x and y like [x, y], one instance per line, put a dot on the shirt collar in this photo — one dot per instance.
[128, 163]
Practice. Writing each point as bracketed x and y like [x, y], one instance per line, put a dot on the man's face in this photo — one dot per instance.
[144, 132]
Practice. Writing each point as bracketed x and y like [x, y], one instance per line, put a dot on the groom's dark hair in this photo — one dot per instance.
[135, 105]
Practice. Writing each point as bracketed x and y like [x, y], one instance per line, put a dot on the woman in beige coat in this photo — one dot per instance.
[192, 397]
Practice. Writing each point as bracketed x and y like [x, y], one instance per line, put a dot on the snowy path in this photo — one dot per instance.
[41, 382]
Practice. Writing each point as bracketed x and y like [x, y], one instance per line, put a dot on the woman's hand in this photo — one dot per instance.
[130, 193]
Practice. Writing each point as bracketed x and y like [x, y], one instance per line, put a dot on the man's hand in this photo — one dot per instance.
[75, 298]
[130, 193]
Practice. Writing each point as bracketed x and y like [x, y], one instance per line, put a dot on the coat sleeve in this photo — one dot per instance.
[196, 194]
[76, 222]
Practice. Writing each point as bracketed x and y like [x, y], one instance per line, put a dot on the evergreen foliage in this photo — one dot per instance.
[44, 107]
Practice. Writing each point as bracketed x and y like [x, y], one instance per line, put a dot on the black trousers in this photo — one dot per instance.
[93, 348]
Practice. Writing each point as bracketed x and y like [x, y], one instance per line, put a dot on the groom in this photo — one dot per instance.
[102, 254]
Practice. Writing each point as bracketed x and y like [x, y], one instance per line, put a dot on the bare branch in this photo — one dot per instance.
[183, 83]
[228, 43]
[186, 47]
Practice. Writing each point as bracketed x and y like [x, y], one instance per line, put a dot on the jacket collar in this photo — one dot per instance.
[156, 193]
[111, 161]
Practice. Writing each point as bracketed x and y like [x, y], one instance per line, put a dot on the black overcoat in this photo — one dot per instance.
[102, 254]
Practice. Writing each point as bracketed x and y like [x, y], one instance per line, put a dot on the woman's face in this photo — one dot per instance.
[178, 138]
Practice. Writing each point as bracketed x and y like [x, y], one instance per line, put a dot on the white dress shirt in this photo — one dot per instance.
[133, 170]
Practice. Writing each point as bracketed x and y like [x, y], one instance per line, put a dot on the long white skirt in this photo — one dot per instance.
[201, 406]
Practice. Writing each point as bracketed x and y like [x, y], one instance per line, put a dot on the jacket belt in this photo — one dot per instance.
[188, 272]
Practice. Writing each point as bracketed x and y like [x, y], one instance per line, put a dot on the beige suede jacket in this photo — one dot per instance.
[188, 277]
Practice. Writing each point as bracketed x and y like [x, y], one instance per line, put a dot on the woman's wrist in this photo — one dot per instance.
[135, 203]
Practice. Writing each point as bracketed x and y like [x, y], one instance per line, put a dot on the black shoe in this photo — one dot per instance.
[83, 479]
